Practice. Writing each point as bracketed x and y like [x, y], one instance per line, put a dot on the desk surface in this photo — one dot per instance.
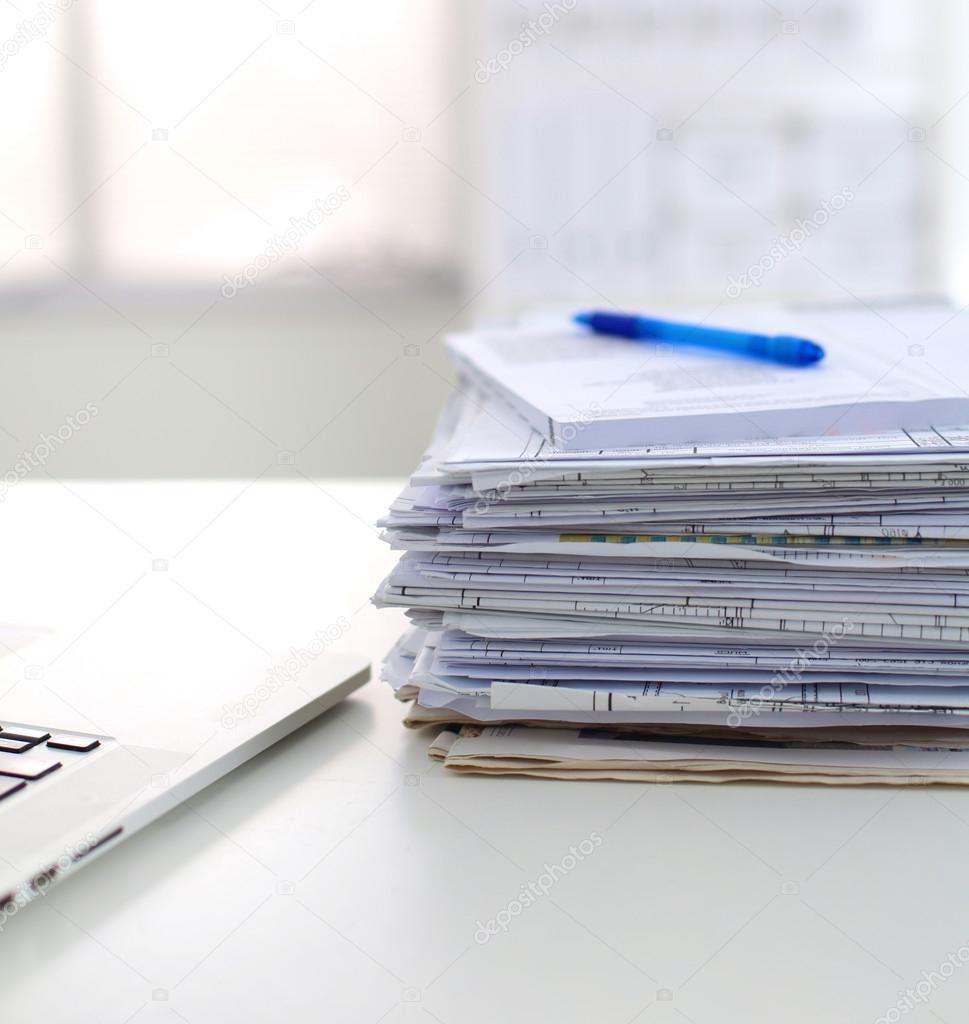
[341, 877]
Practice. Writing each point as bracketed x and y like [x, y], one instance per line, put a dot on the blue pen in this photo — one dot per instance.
[780, 348]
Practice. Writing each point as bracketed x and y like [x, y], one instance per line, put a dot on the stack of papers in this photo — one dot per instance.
[785, 609]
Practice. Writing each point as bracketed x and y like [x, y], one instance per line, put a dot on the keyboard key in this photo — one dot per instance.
[65, 741]
[15, 746]
[19, 732]
[27, 766]
[10, 786]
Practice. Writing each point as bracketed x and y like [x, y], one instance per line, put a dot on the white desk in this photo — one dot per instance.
[339, 877]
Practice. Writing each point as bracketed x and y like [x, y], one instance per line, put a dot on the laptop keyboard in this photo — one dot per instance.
[29, 754]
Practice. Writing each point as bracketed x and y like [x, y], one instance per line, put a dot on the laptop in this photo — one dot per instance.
[95, 746]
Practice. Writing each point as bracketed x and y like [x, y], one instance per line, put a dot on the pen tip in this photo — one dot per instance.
[585, 319]
[811, 353]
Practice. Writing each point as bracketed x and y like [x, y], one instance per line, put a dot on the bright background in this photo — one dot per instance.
[633, 153]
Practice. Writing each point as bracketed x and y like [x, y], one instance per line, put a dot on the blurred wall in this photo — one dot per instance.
[239, 230]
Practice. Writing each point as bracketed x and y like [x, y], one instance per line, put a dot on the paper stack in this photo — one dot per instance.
[787, 609]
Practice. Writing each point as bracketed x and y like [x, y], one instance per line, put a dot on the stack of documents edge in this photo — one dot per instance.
[782, 609]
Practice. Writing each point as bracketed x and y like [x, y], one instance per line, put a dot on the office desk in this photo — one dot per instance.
[342, 877]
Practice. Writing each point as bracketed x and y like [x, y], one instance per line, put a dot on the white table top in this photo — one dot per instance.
[341, 877]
